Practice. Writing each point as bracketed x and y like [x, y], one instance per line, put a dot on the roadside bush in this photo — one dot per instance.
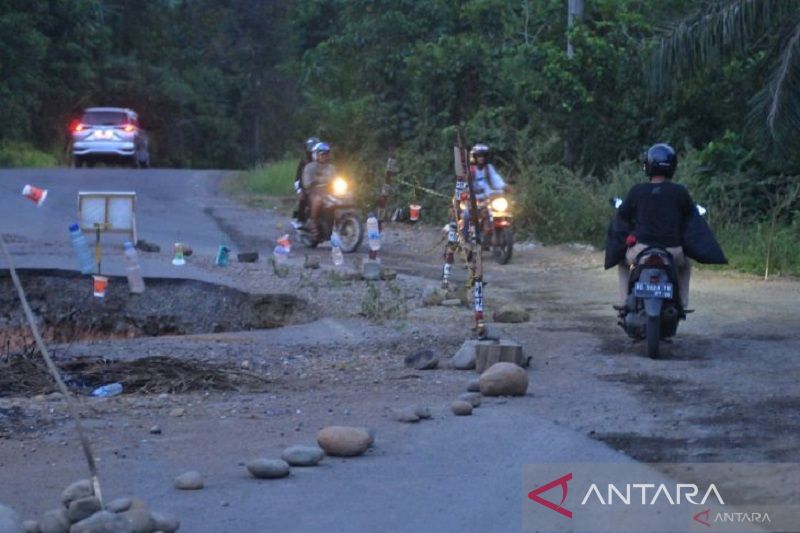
[17, 154]
[272, 179]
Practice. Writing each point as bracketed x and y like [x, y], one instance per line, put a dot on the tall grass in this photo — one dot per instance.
[17, 154]
[271, 179]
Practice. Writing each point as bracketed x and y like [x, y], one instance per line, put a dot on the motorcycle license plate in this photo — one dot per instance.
[643, 289]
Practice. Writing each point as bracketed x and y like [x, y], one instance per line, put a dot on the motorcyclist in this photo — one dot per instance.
[486, 180]
[658, 212]
[301, 214]
[316, 176]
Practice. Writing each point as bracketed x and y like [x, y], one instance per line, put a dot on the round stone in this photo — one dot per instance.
[268, 468]
[344, 441]
[461, 408]
[192, 480]
[504, 379]
[474, 398]
[303, 455]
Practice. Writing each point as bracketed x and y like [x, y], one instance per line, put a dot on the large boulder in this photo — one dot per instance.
[102, 522]
[504, 379]
[421, 360]
[511, 314]
[80, 489]
[344, 441]
[10, 521]
[464, 359]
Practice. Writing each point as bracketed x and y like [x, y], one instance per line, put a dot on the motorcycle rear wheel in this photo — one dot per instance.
[653, 336]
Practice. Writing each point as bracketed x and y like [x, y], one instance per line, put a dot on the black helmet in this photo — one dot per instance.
[660, 160]
[311, 142]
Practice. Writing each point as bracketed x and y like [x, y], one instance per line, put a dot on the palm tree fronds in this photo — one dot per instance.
[716, 31]
[776, 107]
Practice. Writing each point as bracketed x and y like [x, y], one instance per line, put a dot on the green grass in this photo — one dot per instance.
[271, 179]
[746, 248]
[17, 154]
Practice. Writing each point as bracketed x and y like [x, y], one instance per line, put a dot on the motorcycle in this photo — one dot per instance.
[653, 308]
[498, 237]
[338, 213]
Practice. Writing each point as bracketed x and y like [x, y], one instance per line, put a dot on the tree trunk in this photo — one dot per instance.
[574, 15]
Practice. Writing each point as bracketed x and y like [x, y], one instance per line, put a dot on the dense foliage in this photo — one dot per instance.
[235, 83]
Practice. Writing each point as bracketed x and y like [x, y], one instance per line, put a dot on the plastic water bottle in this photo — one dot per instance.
[373, 233]
[134, 271]
[336, 249]
[112, 389]
[82, 251]
[282, 250]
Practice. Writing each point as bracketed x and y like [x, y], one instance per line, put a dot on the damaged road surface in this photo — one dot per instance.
[240, 363]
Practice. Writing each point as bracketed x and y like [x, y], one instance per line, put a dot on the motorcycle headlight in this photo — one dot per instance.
[499, 204]
[339, 186]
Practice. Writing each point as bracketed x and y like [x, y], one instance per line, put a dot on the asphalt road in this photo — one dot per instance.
[171, 206]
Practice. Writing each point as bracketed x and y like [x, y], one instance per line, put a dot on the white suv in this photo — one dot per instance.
[109, 134]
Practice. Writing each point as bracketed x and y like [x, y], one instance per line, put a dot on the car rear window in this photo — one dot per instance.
[104, 118]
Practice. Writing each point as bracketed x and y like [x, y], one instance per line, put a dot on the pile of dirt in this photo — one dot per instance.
[68, 312]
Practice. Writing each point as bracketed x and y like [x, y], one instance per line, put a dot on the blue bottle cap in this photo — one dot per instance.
[128, 245]
[74, 227]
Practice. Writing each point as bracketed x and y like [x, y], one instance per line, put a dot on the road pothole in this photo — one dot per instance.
[68, 312]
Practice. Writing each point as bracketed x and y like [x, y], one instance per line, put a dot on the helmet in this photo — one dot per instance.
[660, 160]
[480, 149]
[321, 147]
[311, 142]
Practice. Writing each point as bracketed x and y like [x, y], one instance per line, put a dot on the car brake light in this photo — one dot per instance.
[129, 128]
[79, 127]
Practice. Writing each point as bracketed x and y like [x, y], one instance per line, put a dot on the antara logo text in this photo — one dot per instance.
[627, 494]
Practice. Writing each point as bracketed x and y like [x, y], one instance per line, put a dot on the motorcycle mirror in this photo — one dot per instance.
[615, 202]
[702, 210]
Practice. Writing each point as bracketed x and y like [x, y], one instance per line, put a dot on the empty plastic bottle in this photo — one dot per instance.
[282, 250]
[82, 251]
[134, 271]
[336, 249]
[112, 389]
[373, 233]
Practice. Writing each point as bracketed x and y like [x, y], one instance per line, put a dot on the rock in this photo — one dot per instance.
[474, 386]
[491, 332]
[155, 430]
[139, 520]
[10, 521]
[303, 455]
[268, 468]
[511, 314]
[83, 508]
[344, 441]
[488, 353]
[504, 379]
[102, 522]
[165, 522]
[461, 408]
[31, 526]
[192, 480]
[423, 412]
[146, 246]
[343, 274]
[311, 262]
[388, 274]
[80, 489]
[119, 505]
[464, 359]
[405, 414]
[247, 257]
[454, 302]
[177, 411]
[54, 521]
[433, 296]
[371, 270]
[422, 360]
[138, 503]
[187, 251]
[461, 293]
[473, 398]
